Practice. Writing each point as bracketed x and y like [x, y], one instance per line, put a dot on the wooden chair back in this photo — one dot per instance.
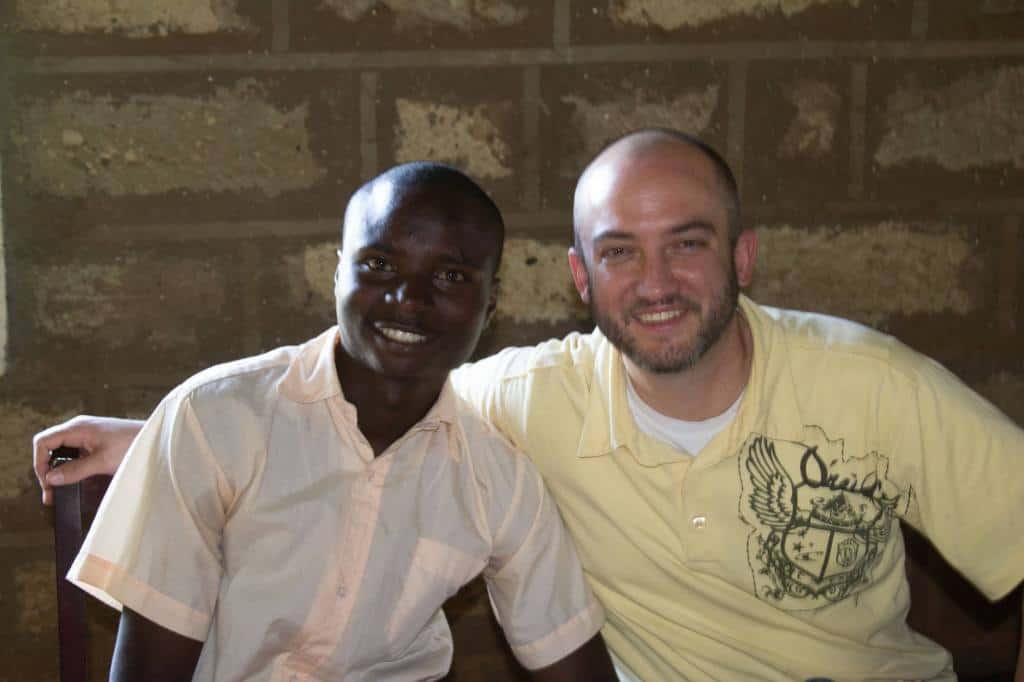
[74, 507]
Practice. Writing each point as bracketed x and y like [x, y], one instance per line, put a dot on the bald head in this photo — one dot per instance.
[605, 174]
[424, 182]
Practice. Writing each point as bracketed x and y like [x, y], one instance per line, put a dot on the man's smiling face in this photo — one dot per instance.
[415, 279]
[657, 266]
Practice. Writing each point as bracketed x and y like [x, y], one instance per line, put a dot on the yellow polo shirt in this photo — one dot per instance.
[775, 553]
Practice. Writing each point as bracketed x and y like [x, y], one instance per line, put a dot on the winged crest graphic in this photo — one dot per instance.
[773, 498]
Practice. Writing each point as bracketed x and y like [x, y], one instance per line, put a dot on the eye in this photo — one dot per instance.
[377, 264]
[615, 253]
[690, 244]
[451, 276]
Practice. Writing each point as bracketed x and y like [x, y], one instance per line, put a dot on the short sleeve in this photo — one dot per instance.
[966, 458]
[534, 577]
[154, 545]
[484, 386]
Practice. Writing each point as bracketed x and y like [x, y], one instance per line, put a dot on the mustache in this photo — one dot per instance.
[676, 301]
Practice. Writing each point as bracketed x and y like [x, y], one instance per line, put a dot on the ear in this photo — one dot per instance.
[492, 301]
[579, 274]
[745, 256]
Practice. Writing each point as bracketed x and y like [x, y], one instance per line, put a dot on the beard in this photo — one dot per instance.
[675, 355]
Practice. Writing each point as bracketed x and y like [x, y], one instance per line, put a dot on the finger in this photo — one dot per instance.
[74, 433]
[75, 470]
[41, 465]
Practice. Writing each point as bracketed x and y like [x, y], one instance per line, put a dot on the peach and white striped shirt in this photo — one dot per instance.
[251, 513]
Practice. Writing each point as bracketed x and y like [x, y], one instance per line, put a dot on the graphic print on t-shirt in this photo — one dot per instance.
[820, 520]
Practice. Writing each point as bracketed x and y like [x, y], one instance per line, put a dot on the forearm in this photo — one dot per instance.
[147, 652]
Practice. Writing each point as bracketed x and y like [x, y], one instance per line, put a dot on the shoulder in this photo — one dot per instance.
[485, 446]
[832, 342]
[513, 386]
[232, 398]
[572, 354]
[238, 379]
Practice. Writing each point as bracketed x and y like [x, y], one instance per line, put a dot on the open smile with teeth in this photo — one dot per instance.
[656, 318]
[400, 335]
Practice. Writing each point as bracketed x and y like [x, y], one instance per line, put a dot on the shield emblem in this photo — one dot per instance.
[823, 553]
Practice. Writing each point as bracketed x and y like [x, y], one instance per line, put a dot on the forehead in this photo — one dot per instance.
[428, 218]
[667, 188]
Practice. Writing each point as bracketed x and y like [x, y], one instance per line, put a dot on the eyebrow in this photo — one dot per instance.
[456, 258]
[612, 235]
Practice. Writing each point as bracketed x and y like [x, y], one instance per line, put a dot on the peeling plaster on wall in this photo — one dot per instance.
[464, 15]
[37, 600]
[975, 121]
[17, 426]
[318, 265]
[602, 122]
[125, 304]
[464, 137]
[867, 274]
[1006, 391]
[234, 140]
[132, 19]
[813, 131]
[536, 285]
[672, 14]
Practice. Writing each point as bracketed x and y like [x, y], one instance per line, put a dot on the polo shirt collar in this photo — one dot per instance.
[608, 422]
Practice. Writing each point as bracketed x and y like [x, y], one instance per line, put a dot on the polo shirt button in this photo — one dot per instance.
[341, 591]
[699, 522]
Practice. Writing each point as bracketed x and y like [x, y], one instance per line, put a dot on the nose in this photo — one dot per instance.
[656, 279]
[412, 292]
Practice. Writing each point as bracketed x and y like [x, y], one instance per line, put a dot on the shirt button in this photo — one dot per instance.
[699, 522]
[341, 591]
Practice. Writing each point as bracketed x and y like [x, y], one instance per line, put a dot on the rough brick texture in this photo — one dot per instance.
[174, 174]
[671, 15]
[137, 20]
[151, 144]
[868, 273]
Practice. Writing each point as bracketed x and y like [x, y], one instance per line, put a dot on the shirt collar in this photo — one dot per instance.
[608, 422]
[312, 376]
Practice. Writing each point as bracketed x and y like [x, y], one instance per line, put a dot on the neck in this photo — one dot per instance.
[710, 386]
[386, 407]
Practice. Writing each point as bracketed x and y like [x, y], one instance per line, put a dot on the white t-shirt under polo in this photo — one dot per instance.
[689, 437]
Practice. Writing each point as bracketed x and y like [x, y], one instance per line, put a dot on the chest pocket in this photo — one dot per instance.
[436, 572]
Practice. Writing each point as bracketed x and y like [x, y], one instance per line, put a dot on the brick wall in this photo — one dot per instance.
[173, 177]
